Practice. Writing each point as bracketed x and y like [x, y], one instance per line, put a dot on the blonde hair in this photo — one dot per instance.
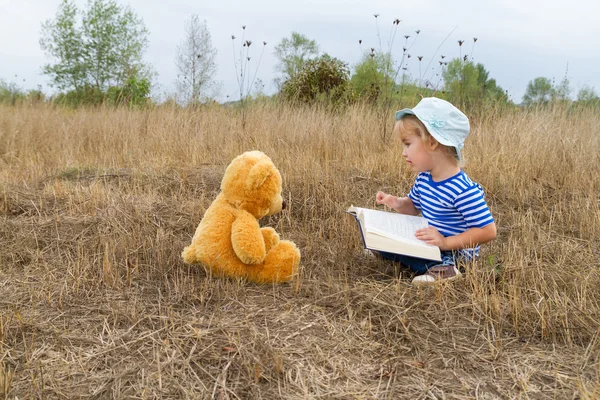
[410, 125]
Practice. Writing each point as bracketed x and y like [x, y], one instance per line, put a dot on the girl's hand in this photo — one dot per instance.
[430, 235]
[387, 199]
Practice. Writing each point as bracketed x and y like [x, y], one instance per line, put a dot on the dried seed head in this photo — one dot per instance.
[460, 42]
[420, 57]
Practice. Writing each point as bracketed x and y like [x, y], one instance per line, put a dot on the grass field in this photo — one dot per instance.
[97, 205]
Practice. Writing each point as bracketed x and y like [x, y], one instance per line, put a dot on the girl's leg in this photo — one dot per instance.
[428, 271]
[416, 265]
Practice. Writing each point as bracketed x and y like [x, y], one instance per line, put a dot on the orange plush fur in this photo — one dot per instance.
[229, 240]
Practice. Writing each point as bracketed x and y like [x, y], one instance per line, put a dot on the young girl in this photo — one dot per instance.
[433, 134]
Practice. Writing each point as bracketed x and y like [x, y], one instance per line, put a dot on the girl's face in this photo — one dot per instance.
[416, 155]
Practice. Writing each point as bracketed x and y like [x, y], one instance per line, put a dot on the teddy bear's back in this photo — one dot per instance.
[212, 240]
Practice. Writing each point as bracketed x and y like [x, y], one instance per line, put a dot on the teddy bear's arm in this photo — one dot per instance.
[270, 237]
[247, 239]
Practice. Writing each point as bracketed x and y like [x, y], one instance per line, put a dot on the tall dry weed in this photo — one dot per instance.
[96, 205]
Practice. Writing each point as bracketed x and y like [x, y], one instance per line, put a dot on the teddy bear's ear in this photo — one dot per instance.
[258, 174]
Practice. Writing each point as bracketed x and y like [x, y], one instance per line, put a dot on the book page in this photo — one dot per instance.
[395, 226]
[393, 232]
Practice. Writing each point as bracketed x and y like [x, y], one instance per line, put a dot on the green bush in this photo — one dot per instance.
[324, 79]
[86, 96]
[10, 93]
[135, 93]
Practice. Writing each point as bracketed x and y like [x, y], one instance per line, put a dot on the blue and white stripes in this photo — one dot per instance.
[452, 205]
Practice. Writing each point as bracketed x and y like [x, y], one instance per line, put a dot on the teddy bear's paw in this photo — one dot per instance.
[280, 265]
[189, 255]
[270, 236]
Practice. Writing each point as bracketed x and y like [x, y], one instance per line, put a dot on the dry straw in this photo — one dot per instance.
[96, 205]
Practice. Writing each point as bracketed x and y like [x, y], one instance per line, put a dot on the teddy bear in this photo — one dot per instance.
[229, 240]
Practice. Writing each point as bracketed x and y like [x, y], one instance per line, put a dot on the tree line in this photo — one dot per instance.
[95, 56]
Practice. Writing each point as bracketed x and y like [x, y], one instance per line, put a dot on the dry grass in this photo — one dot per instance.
[96, 206]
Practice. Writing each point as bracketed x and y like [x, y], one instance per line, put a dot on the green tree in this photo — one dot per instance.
[373, 76]
[470, 85]
[462, 82]
[62, 40]
[587, 97]
[539, 91]
[587, 94]
[293, 53]
[483, 75]
[492, 93]
[104, 50]
[563, 90]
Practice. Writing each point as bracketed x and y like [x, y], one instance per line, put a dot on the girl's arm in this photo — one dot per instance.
[403, 205]
[469, 238]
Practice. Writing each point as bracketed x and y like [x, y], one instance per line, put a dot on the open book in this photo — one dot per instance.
[393, 233]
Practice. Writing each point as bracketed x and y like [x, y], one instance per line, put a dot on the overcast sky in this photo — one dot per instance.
[518, 40]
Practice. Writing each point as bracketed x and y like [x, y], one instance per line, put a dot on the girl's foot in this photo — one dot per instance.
[436, 274]
[369, 254]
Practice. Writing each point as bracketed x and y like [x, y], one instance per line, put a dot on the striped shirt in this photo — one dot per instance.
[452, 205]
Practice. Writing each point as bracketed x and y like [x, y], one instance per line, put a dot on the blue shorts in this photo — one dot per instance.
[419, 265]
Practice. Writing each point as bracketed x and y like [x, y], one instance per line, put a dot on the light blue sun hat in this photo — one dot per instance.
[446, 123]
